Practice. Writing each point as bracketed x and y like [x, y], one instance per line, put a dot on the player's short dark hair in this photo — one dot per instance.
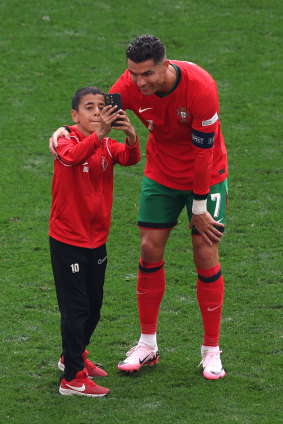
[77, 97]
[146, 47]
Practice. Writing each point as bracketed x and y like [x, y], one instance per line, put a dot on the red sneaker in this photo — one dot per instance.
[81, 385]
[92, 369]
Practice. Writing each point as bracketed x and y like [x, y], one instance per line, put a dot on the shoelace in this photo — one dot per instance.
[83, 375]
[213, 358]
[89, 363]
[133, 349]
[84, 379]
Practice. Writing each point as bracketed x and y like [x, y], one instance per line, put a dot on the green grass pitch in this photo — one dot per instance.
[48, 51]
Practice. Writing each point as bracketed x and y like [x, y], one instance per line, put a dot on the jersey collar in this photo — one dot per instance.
[177, 82]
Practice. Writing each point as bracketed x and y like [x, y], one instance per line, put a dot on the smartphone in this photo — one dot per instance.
[114, 99]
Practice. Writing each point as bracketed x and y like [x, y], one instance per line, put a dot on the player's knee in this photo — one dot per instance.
[150, 251]
[206, 256]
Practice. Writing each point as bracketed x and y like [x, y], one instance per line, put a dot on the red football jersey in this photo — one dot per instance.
[82, 187]
[185, 148]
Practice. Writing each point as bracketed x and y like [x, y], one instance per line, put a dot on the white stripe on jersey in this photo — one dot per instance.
[108, 147]
[210, 121]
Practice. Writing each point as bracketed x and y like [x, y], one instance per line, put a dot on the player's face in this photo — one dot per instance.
[148, 76]
[88, 115]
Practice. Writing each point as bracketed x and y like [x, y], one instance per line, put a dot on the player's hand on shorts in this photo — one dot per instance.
[53, 141]
[205, 225]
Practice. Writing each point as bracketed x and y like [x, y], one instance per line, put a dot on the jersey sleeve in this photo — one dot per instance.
[204, 125]
[124, 154]
[70, 152]
[121, 86]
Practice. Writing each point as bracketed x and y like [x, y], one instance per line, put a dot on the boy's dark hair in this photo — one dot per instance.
[83, 92]
[146, 47]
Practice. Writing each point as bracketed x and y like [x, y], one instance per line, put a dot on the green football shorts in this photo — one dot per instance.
[161, 206]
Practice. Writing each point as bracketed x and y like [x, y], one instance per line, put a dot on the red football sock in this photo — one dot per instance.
[150, 290]
[210, 293]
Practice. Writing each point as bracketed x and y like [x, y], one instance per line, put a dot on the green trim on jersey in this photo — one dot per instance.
[161, 206]
[178, 79]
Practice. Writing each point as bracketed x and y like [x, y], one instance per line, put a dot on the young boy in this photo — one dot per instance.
[82, 196]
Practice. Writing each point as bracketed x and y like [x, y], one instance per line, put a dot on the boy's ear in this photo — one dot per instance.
[75, 116]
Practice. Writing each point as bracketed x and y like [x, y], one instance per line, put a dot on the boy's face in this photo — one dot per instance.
[88, 115]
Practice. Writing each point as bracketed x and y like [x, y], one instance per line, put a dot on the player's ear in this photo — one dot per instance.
[75, 116]
[166, 63]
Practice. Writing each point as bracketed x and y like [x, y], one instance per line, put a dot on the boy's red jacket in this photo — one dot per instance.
[82, 187]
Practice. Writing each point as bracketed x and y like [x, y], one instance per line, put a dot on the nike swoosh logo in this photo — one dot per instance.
[143, 110]
[78, 389]
[217, 373]
[220, 220]
[100, 261]
[144, 359]
[213, 309]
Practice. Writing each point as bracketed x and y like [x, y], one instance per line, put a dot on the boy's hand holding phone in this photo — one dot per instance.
[117, 117]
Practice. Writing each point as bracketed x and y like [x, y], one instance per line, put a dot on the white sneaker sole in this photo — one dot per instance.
[68, 392]
[61, 366]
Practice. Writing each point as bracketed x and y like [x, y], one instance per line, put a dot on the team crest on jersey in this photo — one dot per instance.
[85, 167]
[104, 163]
[183, 113]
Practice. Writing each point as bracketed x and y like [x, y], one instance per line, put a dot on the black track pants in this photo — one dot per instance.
[79, 278]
